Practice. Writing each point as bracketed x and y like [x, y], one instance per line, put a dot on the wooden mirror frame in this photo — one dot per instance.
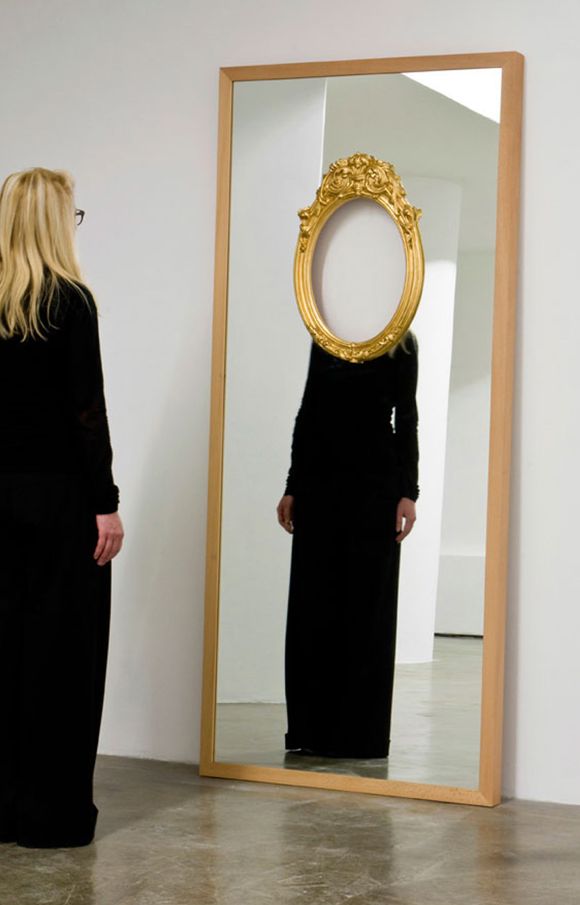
[349, 178]
[497, 525]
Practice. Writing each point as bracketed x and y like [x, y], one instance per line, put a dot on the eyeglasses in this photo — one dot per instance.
[79, 216]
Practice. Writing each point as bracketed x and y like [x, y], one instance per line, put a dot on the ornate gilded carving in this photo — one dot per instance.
[359, 176]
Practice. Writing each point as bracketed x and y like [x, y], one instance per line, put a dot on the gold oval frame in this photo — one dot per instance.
[359, 176]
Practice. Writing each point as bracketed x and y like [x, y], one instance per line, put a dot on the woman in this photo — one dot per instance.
[349, 503]
[59, 523]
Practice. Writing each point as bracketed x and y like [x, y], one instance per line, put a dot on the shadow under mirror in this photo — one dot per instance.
[440, 130]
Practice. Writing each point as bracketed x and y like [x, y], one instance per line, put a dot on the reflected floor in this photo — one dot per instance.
[435, 725]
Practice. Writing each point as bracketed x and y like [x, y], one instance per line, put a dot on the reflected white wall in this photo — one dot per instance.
[461, 585]
[438, 136]
[278, 128]
[476, 89]
[276, 159]
[349, 128]
[433, 326]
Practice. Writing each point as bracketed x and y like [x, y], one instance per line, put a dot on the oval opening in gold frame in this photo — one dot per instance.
[359, 176]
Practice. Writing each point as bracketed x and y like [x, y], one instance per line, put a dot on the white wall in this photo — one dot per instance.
[124, 94]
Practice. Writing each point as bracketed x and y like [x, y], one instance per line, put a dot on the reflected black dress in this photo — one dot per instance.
[354, 456]
[55, 475]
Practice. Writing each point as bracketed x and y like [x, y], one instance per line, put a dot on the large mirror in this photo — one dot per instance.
[394, 663]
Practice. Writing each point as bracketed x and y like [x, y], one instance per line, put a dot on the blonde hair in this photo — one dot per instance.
[37, 248]
[408, 343]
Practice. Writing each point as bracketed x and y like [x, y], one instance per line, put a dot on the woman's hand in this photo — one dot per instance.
[110, 528]
[406, 518]
[285, 512]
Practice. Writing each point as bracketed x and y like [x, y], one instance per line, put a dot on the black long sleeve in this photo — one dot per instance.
[343, 434]
[85, 378]
[407, 418]
[300, 436]
[54, 418]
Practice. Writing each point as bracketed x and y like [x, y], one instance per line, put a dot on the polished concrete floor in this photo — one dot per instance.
[167, 837]
[434, 733]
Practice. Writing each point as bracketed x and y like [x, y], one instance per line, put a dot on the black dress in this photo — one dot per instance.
[55, 475]
[350, 467]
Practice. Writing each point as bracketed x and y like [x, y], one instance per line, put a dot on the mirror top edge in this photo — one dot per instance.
[372, 66]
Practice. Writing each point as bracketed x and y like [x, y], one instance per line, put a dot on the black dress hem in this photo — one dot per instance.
[312, 748]
[62, 838]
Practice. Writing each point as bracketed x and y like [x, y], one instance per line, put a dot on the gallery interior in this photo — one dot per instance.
[330, 250]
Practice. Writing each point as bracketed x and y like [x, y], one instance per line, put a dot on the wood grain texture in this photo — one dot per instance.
[216, 445]
[506, 270]
[343, 783]
[369, 67]
[500, 441]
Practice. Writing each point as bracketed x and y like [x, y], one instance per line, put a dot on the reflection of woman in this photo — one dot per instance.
[59, 527]
[349, 502]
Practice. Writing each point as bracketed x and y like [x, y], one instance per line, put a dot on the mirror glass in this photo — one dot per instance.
[440, 130]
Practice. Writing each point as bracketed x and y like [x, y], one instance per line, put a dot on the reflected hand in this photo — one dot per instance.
[285, 512]
[406, 518]
[110, 538]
